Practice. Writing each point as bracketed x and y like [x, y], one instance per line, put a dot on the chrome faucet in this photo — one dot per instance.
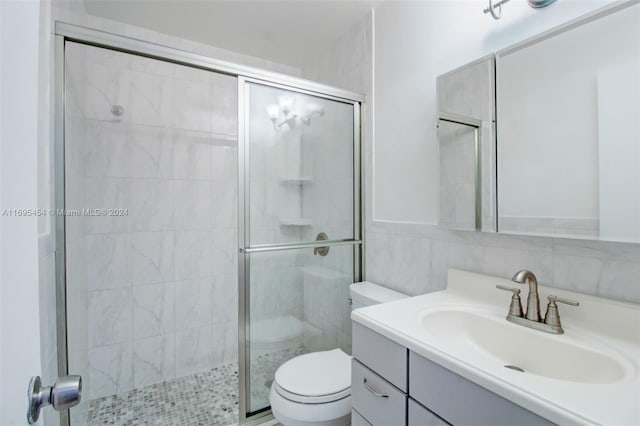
[533, 300]
[531, 319]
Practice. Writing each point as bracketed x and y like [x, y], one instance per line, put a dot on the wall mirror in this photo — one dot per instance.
[569, 131]
[466, 146]
[567, 140]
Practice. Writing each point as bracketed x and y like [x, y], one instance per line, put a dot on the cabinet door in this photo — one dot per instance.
[377, 400]
[420, 416]
[460, 401]
[358, 420]
[380, 354]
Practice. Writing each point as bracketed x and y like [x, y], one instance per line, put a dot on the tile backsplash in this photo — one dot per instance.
[415, 258]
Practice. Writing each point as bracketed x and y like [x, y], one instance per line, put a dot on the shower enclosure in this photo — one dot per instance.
[210, 229]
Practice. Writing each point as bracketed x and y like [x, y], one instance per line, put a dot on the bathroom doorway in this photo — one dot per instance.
[187, 263]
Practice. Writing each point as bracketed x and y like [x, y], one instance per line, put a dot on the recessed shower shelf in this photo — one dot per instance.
[299, 180]
[295, 221]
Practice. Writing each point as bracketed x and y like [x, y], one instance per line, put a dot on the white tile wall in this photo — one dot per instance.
[152, 255]
[193, 350]
[154, 360]
[110, 370]
[153, 310]
[604, 269]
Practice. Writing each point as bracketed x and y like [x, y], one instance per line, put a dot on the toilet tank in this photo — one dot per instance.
[367, 294]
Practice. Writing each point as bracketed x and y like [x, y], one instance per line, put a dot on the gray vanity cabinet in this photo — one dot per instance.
[377, 400]
[378, 379]
[462, 402]
[392, 386]
[420, 416]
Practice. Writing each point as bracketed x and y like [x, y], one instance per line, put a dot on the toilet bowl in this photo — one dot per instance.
[314, 389]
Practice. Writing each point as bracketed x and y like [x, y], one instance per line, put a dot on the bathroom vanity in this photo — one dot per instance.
[428, 394]
[451, 357]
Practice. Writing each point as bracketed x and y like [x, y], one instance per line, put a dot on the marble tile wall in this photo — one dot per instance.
[152, 292]
[326, 311]
[328, 157]
[414, 259]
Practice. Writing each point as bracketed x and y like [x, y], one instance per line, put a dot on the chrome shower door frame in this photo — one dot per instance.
[64, 32]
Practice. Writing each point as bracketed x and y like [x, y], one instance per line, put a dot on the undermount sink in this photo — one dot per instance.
[479, 334]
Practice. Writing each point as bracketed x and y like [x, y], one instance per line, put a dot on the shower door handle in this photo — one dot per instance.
[323, 250]
[64, 394]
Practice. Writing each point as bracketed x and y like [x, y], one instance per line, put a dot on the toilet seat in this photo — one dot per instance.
[315, 378]
[322, 399]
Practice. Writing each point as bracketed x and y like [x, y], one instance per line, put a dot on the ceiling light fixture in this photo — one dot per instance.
[495, 8]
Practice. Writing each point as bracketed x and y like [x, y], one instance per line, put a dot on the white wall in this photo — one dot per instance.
[74, 12]
[20, 320]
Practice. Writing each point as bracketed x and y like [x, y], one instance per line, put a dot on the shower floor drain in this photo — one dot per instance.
[514, 367]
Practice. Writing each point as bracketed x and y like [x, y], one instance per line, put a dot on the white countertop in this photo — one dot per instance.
[605, 326]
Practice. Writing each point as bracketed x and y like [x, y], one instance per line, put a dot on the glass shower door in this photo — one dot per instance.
[300, 184]
[150, 239]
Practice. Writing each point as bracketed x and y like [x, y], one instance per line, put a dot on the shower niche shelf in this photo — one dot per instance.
[296, 180]
[295, 221]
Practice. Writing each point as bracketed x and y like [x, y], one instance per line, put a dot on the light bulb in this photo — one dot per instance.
[273, 111]
[313, 108]
[286, 102]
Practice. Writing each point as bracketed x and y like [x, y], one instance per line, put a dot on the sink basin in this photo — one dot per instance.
[478, 335]
[589, 376]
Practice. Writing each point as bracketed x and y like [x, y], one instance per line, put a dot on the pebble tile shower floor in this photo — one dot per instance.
[208, 398]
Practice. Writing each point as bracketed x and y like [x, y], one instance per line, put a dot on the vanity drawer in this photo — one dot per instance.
[380, 354]
[358, 420]
[377, 400]
[420, 416]
[462, 402]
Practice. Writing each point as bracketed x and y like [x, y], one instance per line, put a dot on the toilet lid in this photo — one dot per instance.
[316, 374]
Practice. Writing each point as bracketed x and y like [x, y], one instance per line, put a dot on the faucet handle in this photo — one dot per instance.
[515, 309]
[515, 290]
[552, 317]
[553, 299]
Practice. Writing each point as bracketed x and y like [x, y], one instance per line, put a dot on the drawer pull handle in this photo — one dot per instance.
[372, 390]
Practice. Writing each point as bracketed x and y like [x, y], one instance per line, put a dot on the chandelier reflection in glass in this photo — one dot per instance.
[285, 114]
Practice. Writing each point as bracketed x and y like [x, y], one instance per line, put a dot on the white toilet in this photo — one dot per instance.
[315, 388]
